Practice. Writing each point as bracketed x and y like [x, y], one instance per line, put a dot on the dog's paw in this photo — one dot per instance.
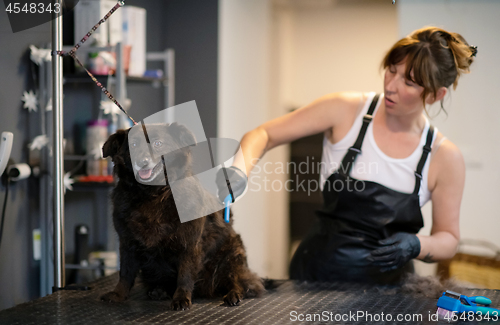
[158, 294]
[112, 297]
[233, 298]
[181, 304]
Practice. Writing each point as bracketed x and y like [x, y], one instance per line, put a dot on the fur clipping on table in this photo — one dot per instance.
[424, 286]
[430, 286]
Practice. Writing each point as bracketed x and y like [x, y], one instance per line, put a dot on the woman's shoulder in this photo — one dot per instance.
[348, 103]
[444, 149]
[447, 161]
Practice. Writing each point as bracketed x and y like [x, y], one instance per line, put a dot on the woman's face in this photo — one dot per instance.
[402, 96]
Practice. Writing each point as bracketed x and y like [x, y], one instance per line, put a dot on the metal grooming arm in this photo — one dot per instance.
[58, 167]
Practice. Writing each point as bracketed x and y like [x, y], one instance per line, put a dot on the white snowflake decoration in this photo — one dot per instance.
[39, 142]
[39, 55]
[30, 100]
[68, 182]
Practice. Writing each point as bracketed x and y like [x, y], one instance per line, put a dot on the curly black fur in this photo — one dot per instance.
[204, 257]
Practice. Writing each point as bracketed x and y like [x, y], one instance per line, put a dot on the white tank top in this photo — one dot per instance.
[372, 164]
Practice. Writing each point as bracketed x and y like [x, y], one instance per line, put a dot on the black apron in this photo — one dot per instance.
[356, 214]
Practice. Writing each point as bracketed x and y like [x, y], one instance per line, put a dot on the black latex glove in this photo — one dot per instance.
[237, 180]
[397, 250]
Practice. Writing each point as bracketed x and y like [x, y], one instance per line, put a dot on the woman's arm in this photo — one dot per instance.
[446, 198]
[316, 117]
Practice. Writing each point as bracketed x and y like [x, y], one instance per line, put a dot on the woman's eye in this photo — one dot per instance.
[157, 143]
[409, 83]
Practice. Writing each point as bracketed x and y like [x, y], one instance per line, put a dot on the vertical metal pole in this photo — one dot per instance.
[58, 167]
[170, 66]
[46, 264]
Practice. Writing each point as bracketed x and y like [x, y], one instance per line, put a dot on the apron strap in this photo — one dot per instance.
[354, 150]
[426, 150]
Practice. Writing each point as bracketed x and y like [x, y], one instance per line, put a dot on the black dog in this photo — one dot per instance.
[201, 258]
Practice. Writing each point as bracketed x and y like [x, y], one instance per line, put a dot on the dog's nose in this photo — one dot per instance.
[145, 161]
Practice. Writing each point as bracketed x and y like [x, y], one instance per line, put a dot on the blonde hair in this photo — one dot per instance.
[436, 57]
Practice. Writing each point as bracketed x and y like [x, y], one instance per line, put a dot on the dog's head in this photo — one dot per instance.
[142, 150]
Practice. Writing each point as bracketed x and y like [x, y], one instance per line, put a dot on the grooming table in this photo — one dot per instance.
[283, 305]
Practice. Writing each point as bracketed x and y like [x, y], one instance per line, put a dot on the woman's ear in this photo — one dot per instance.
[114, 143]
[441, 92]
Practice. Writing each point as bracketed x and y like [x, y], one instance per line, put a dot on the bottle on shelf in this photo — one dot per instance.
[97, 134]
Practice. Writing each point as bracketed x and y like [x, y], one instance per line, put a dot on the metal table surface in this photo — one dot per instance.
[291, 303]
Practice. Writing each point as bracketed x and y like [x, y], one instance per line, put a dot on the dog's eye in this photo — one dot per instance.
[157, 143]
[133, 144]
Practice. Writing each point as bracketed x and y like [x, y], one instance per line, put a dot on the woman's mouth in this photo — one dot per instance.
[389, 102]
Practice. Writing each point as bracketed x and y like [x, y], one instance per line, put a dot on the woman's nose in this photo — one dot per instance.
[390, 84]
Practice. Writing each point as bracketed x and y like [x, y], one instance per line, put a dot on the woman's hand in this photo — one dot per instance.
[398, 250]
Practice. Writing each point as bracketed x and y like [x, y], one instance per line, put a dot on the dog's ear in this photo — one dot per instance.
[114, 143]
[182, 134]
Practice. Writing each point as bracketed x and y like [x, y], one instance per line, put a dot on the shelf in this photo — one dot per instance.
[91, 185]
[84, 78]
[90, 48]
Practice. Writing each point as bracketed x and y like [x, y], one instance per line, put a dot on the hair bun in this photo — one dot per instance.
[473, 50]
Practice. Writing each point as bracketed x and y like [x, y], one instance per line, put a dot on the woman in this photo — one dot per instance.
[367, 228]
